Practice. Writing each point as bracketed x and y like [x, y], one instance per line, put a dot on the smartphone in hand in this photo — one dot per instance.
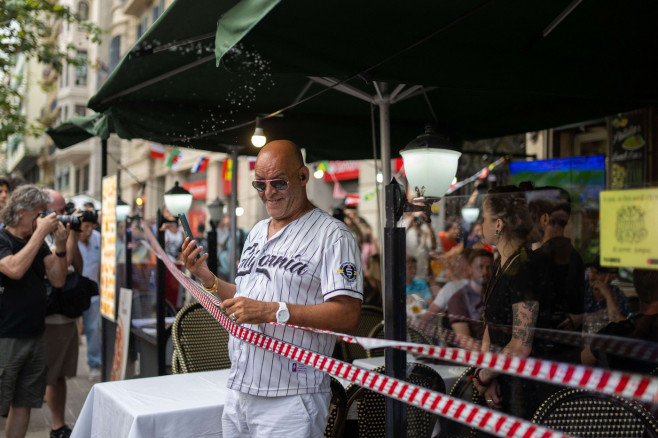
[188, 231]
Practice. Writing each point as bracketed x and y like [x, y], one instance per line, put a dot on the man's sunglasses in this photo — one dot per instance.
[277, 184]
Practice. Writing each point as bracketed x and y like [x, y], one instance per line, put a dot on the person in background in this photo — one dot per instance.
[448, 239]
[420, 241]
[604, 302]
[201, 235]
[550, 209]
[465, 306]
[417, 287]
[643, 326]
[61, 334]
[461, 270]
[515, 297]
[475, 239]
[89, 206]
[270, 395]
[4, 191]
[89, 245]
[372, 282]
[24, 260]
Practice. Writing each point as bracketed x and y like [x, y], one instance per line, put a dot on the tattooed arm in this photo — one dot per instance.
[525, 317]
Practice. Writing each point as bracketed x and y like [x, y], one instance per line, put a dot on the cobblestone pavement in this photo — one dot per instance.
[77, 389]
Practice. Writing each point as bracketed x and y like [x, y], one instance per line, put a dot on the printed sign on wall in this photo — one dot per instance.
[629, 236]
[108, 246]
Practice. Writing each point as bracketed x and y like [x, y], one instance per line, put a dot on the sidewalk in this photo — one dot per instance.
[77, 387]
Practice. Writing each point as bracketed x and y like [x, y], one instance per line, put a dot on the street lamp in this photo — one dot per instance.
[430, 164]
[216, 212]
[178, 201]
[470, 214]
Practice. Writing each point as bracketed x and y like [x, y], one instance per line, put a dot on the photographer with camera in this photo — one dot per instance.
[24, 261]
[61, 331]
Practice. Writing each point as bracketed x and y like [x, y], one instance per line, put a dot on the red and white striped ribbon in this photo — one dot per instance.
[479, 417]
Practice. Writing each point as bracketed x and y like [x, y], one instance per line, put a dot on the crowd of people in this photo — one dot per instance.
[39, 347]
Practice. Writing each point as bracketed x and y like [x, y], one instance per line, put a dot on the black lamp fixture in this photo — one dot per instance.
[430, 163]
[178, 200]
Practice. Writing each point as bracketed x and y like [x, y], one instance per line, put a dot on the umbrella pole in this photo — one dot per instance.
[233, 203]
[394, 281]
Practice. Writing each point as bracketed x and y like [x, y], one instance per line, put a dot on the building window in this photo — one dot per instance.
[62, 178]
[80, 110]
[115, 52]
[141, 27]
[81, 69]
[65, 68]
[83, 10]
[82, 179]
[156, 13]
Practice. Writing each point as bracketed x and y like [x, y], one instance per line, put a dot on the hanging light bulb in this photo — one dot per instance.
[318, 174]
[380, 177]
[258, 139]
[239, 211]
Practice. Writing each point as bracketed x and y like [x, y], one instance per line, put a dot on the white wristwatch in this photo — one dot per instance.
[282, 315]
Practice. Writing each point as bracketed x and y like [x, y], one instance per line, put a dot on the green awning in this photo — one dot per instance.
[80, 128]
[487, 69]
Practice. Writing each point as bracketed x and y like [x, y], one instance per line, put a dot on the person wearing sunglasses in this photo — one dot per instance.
[300, 267]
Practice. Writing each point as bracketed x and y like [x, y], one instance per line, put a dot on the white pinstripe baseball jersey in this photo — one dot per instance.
[309, 261]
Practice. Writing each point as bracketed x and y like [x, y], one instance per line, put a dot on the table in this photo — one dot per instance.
[180, 405]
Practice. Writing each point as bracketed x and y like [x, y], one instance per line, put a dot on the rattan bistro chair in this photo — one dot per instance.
[376, 332]
[371, 406]
[337, 411]
[200, 342]
[370, 317]
[588, 414]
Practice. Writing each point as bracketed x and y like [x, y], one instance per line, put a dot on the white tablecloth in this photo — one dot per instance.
[176, 406]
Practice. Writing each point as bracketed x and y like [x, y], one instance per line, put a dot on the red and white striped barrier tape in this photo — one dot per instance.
[627, 347]
[479, 417]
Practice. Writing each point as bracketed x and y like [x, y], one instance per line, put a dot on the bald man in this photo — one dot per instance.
[301, 267]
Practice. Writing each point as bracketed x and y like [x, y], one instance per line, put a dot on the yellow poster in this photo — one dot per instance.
[629, 228]
[108, 246]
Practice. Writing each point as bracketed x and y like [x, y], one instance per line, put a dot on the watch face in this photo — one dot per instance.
[282, 315]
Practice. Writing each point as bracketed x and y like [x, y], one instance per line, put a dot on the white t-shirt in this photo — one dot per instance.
[91, 255]
[447, 291]
[309, 261]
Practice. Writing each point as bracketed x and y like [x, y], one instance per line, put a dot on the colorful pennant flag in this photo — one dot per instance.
[324, 166]
[227, 174]
[157, 151]
[200, 164]
[339, 191]
[174, 159]
[252, 163]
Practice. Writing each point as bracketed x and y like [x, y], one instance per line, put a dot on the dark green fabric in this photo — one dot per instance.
[492, 71]
[77, 129]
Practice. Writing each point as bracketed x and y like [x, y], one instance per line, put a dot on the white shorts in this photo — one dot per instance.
[253, 416]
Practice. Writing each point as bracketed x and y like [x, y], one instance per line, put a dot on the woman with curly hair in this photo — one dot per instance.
[515, 302]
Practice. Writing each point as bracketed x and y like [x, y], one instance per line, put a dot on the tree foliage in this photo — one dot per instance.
[30, 28]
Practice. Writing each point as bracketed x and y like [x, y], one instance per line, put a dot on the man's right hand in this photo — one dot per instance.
[196, 266]
[47, 225]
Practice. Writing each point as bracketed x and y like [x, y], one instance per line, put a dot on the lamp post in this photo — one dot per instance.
[178, 201]
[216, 212]
[430, 164]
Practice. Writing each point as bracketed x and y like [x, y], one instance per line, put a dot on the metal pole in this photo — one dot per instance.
[212, 248]
[160, 302]
[233, 203]
[104, 355]
[129, 254]
[384, 105]
[395, 327]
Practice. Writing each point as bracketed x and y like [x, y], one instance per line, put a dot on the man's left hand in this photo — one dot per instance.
[244, 310]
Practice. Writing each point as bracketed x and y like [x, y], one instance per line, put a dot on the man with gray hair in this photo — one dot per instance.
[24, 261]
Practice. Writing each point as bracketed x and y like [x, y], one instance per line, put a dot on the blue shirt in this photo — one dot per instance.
[419, 287]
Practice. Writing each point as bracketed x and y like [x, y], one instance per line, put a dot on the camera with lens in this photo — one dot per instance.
[76, 219]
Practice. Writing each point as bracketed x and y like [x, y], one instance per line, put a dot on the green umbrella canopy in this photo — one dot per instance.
[80, 128]
[488, 68]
